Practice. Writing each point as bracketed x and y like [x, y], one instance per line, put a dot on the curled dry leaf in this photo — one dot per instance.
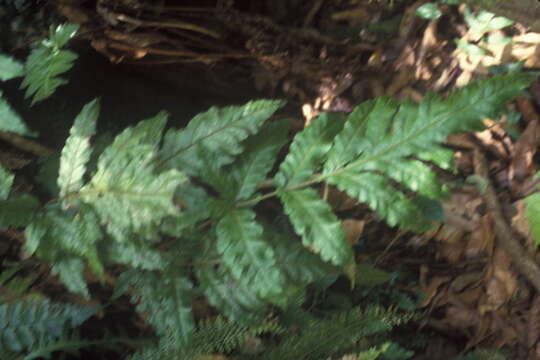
[482, 239]
[353, 229]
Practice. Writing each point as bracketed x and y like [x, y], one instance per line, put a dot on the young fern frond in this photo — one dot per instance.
[47, 61]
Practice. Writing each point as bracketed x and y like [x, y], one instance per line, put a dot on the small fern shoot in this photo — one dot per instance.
[47, 61]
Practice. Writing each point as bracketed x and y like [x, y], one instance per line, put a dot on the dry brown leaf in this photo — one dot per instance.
[461, 317]
[481, 239]
[503, 272]
[452, 252]
[496, 295]
[522, 165]
[471, 295]
[339, 200]
[520, 223]
[463, 281]
[431, 289]
[353, 229]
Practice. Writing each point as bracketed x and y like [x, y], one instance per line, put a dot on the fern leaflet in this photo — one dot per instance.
[217, 133]
[320, 229]
[309, 149]
[251, 168]
[249, 258]
[166, 298]
[46, 62]
[76, 153]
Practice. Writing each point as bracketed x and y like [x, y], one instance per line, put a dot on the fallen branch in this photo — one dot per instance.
[522, 260]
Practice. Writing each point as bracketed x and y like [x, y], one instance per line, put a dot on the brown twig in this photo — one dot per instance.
[523, 261]
[25, 144]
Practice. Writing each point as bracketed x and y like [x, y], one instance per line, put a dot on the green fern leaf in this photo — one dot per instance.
[18, 211]
[251, 168]
[137, 253]
[76, 153]
[60, 35]
[71, 272]
[6, 182]
[370, 152]
[379, 193]
[126, 192]
[301, 266]
[29, 325]
[533, 215]
[320, 229]
[11, 121]
[196, 203]
[217, 133]
[483, 98]
[56, 235]
[309, 149]
[248, 257]
[41, 68]
[165, 298]
[10, 68]
[46, 62]
[332, 336]
[358, 134]
[236, 301]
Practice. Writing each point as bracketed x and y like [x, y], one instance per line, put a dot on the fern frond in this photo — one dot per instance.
[197, 206]
[379, 193]
[359, 134]
[46, 62]
[332, 336]
[217, 133]
[212, 336]
[370, 152]
[166, 298]
[18, 211]
[301, 266]
[137, 253]
[10, 68]
[251, 168]
[76, 153]
[309, 149]
[249, 258]
[11, 121]
[71, 272]
[222, 336]
[236, 301]
[314, 220]
[125, 191]
[27, 325]
[6, 182]
[62, 239]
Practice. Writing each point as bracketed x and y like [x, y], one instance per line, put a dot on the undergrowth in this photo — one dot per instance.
[178, 210]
